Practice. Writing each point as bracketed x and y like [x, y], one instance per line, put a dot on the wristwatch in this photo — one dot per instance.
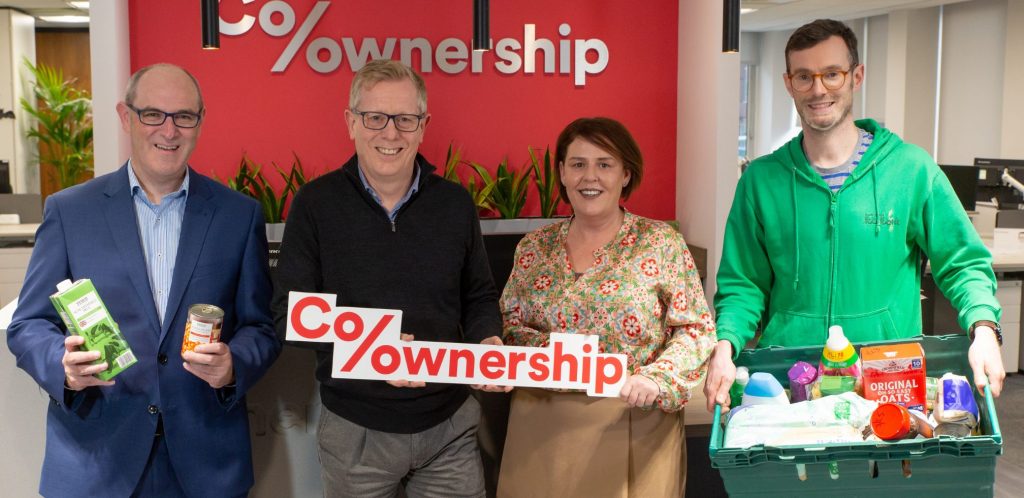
[993, 325]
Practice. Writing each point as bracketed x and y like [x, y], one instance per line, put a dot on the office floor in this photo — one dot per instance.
[1010, 465]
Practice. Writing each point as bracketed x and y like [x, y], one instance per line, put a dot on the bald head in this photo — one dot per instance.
[161, 74]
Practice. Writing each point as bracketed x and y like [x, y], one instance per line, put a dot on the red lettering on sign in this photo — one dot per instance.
[395, 360]
[602, 377]
[562, 359]
[514, 359]
[539, 364]
[453, 362]
[414, 363]
[492, 364]
[296, 317]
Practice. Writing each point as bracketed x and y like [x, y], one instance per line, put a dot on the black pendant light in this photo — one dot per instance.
[211, 24]
[730, 25]
[481, 25]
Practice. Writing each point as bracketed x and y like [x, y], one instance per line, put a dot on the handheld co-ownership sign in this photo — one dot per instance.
[368, 345]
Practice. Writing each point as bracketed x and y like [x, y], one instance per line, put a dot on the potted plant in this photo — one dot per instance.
[63, 116]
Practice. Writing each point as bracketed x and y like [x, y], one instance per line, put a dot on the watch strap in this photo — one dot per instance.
[988, 323]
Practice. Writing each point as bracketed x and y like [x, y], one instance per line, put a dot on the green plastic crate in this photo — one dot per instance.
[942, 466]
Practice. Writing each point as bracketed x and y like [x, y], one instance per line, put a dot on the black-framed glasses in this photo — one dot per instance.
[156, 117]
[832, 79]
[379, 120]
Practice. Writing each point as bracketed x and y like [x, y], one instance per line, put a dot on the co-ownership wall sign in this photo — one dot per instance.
[367, 345]
[324, 54]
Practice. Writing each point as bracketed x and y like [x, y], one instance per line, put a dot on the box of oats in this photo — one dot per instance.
[84, 314]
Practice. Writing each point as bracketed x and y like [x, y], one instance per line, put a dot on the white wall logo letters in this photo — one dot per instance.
[578, 57]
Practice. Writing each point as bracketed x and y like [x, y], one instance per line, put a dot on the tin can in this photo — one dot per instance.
[203, 326]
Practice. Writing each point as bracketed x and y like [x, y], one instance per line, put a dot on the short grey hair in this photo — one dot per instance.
[380, 70]
[133, 82]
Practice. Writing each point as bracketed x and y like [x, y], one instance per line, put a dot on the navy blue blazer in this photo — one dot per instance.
[98, 439]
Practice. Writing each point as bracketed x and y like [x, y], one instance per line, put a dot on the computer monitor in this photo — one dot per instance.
[965, 183]
[991, 187]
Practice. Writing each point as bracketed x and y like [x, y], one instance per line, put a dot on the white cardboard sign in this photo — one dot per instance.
[367, 345]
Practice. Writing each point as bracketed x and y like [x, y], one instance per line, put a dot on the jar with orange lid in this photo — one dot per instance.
[891, 422]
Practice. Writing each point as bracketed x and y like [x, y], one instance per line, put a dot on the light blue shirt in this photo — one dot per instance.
[160, 231]
[401, 202]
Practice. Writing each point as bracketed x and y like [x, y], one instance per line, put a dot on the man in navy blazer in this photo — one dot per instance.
[155, 237]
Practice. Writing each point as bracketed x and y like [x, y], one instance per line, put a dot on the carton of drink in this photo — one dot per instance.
[84, 314]
[895, 373]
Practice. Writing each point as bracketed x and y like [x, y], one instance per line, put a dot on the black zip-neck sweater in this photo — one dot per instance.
[430, 263]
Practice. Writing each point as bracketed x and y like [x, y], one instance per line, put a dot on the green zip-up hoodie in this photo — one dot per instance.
[812, 258]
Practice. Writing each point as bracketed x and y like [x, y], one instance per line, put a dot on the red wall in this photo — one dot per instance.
[489, 114]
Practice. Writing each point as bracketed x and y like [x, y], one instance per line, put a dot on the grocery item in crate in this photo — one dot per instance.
[931, 393]
[956, 402]
[764, 389]
[838, 357]
[891, 422]
[895, 373]
[83, 312]
[738, 385]
[830, 385]
[832, 419]
[801, 376]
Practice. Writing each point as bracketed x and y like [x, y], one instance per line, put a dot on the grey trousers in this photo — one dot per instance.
[442, 461]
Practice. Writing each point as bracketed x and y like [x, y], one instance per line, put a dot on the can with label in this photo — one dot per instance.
[203, 326]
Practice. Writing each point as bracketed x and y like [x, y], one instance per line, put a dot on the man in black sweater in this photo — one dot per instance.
[385, 232]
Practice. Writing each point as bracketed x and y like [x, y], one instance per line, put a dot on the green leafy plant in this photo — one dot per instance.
[546, 181]
[451, 161]
[63, 126]
[250, 181]
[508, 195]
[479, 191]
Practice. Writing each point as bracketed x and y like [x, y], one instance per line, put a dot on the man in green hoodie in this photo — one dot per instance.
[832, 228]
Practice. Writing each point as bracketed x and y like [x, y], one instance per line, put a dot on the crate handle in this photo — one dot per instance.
[713, 445]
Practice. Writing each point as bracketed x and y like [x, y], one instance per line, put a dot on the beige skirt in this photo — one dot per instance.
[569, 444]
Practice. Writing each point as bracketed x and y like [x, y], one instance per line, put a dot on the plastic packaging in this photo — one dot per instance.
[764, 389]
[832, 419]
[801, 376]
[956, 402]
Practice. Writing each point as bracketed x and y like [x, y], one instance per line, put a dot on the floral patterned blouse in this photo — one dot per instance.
[642, 295]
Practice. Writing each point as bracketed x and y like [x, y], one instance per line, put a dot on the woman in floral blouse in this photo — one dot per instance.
[631, 281]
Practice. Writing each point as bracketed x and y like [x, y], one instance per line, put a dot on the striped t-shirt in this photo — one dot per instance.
[834, 177]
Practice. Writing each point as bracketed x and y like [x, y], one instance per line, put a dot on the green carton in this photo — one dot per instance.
[941, 466]
[84, 314]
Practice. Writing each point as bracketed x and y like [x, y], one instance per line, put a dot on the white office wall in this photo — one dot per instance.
[707, 134]
[108, 46]
[921, 77]
[17, 43]
[1012, 145]
[775, 117]
[874, 56]
[974, 37]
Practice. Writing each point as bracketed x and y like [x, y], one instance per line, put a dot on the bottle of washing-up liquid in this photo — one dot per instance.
[736, 391]
[764, 389]
[839, 358]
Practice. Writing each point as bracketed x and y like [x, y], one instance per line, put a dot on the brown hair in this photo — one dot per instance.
[815, 32]
[609, 135]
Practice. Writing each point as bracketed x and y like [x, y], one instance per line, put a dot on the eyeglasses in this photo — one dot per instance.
[379, 120]
[156, 117]
[802, 81]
